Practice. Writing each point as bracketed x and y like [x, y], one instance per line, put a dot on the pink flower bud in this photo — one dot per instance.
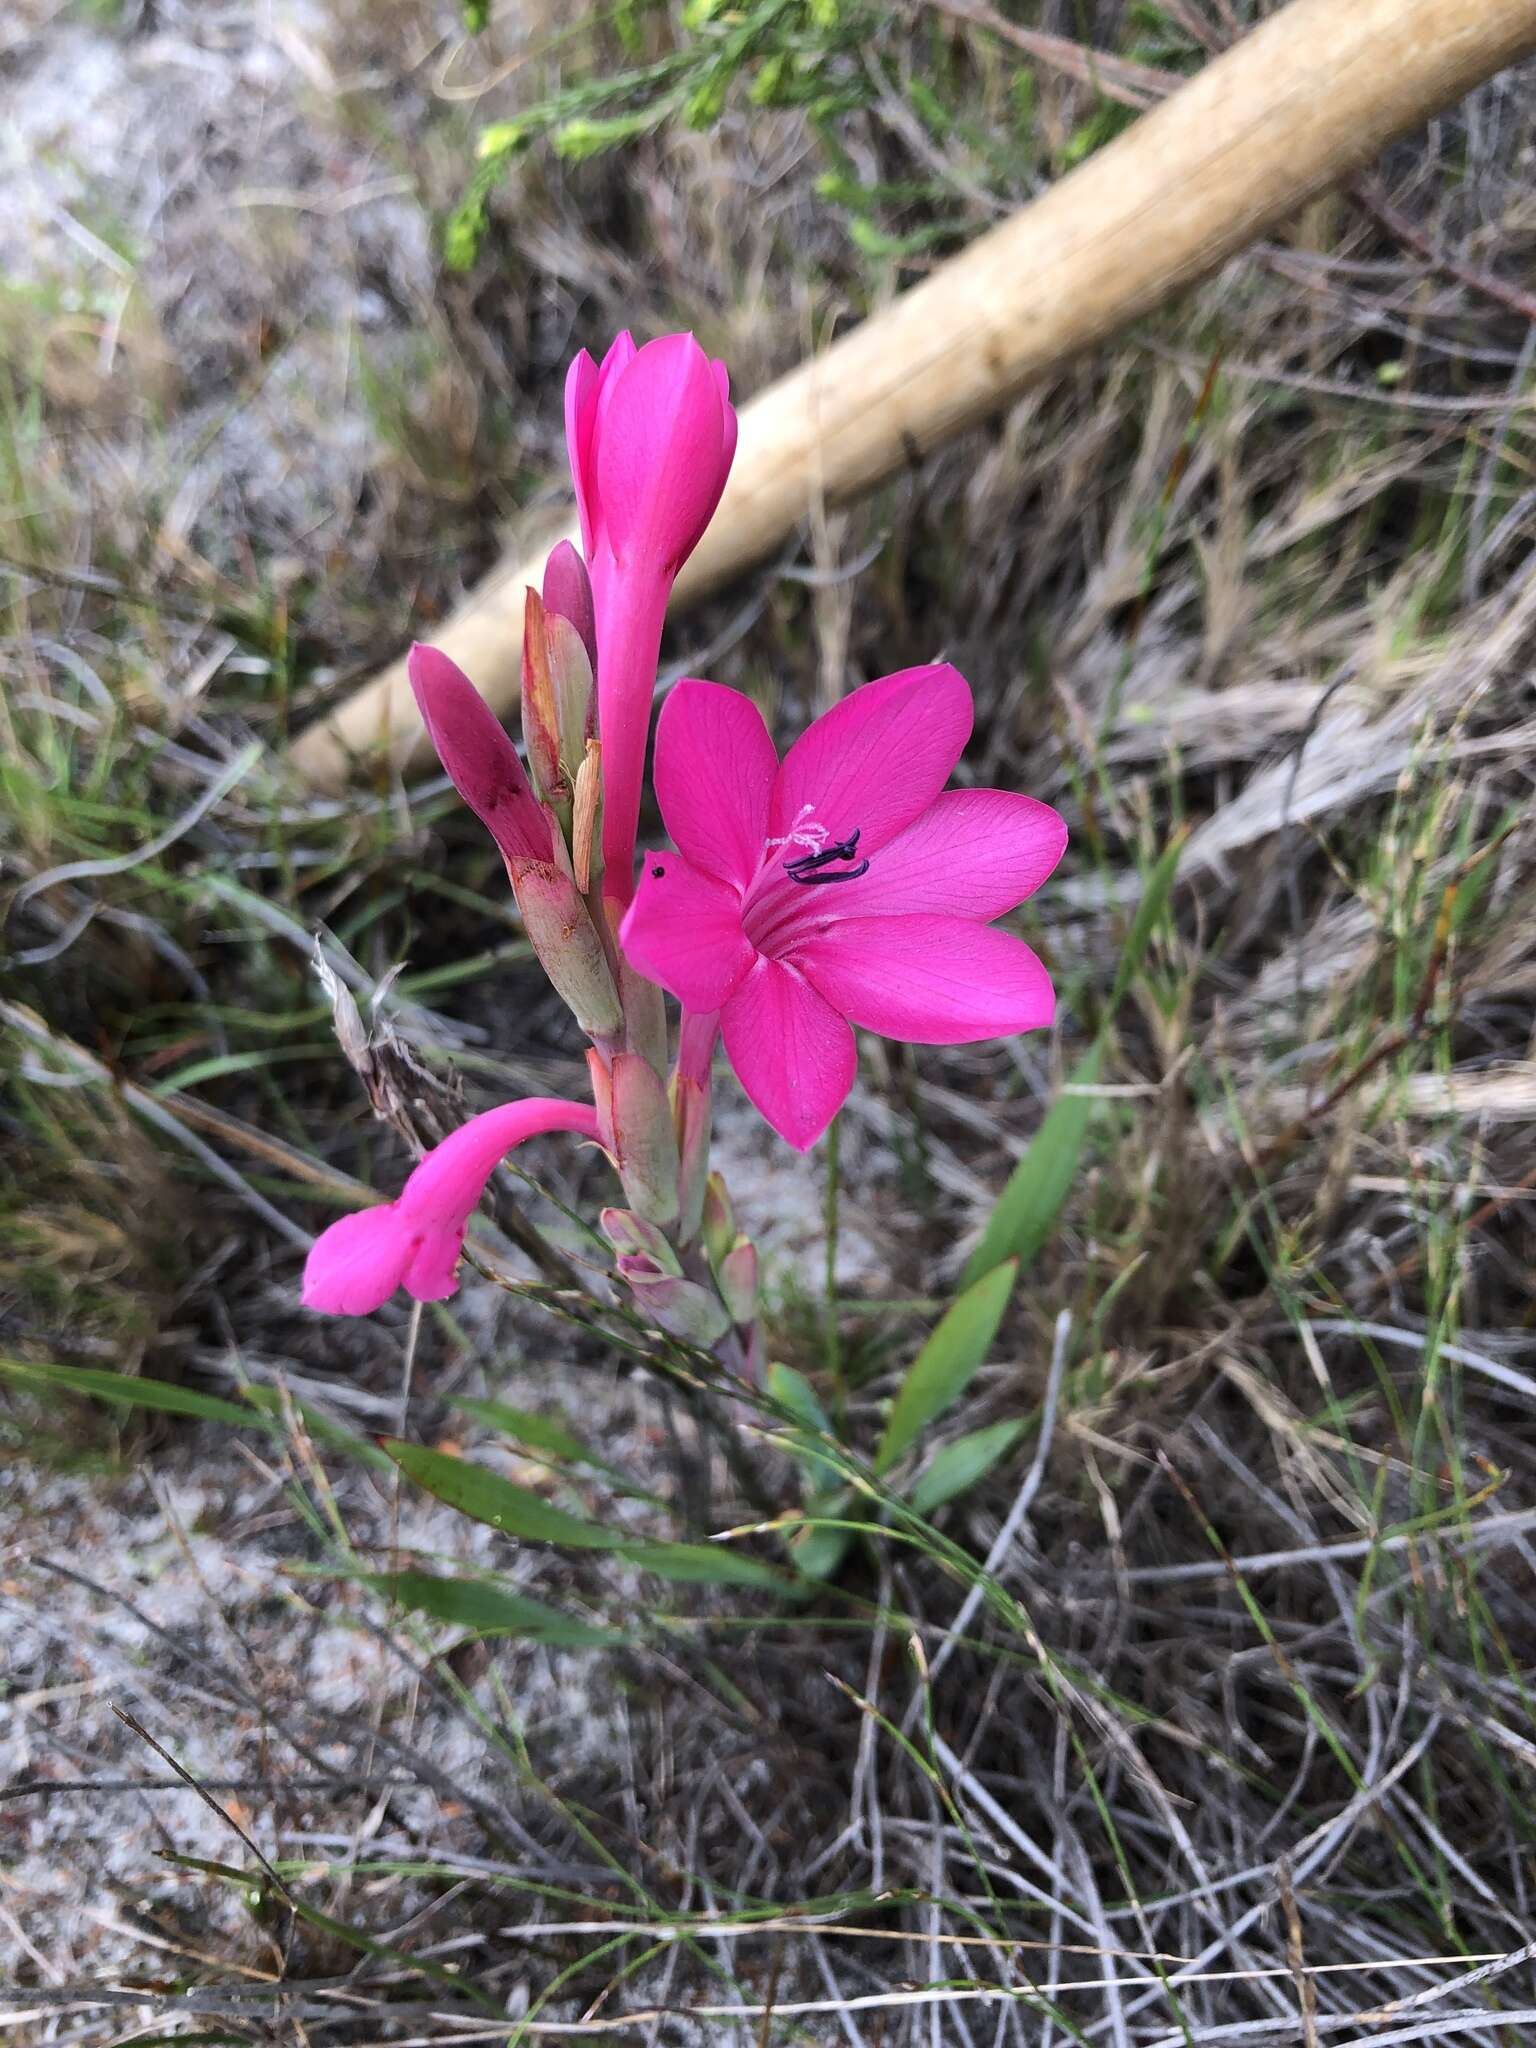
[632, 1237]
[737, 1277]
[481, 761]
[680, 1307]
[654, 440]
[568, 594]
[651, 435]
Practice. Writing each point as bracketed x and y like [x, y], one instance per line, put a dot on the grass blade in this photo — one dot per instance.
[486, 1497]
[945, 1366]
[129, 1392]
[487, 1609]
[1025, 1212]
[959, 1465]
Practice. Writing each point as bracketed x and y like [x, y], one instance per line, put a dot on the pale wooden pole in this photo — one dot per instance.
[1314, 92]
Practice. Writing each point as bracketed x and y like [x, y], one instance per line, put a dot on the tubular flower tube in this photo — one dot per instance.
[842, 886]
[651, 434]
[415, 1241]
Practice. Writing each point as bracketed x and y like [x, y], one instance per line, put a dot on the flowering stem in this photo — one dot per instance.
[833, 1338]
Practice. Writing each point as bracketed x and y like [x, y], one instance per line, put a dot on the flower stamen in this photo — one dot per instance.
[815, 867]
[805, 831]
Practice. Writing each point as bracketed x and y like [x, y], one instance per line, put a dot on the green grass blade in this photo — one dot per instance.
[1149, 915]
[487, 1497]
[703, 1564]
[959, 1465]
[945, 1366]
[127, 1391]
[1026, 1210]
[487, 1609]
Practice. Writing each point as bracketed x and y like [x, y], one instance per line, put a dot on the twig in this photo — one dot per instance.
[207, 1798]
[1380, 207]
[1003, 1542]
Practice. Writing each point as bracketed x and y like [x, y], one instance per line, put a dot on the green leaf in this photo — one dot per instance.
[945, 1366]
[703, 1564]
[487, 1497]
[550, 1440]
[127, 1391]
[260, 1405]
[815, 1552]
[1026, 1211]
[818, 1550]
[518, 1511]
[959, 1465]
[485, 1608]
[792, 1390]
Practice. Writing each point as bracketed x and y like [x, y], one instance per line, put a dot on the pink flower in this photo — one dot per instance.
[844, 886]
[415, 1241]
[651, 433]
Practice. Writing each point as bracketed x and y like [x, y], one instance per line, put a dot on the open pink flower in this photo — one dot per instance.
[844, 886]
[415, 1241]
[651, 434]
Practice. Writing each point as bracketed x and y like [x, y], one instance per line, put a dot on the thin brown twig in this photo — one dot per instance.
[1118, 78]
[207, 1798]
[1376, 203]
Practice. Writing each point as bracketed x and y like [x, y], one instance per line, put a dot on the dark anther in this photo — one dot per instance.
[843, 875]
[811, 867]
[658, 873]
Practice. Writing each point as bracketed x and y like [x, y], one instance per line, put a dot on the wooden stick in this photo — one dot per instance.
[1311, 95]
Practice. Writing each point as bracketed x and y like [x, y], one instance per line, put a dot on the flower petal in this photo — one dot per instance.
[661, 455]
[586, 383]
[683, 929]
[715, 766]
[792, 1053]
[928, 980]
[433, 1273]
[415, 1241]
[356, 1264]
[973, 853]
[878, 759]
[581, 388]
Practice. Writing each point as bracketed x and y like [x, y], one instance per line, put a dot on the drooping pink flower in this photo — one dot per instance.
[651, 433]
[844, 886]
[415, 1241]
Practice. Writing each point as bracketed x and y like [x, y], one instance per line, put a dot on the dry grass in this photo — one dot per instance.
[1207, 1716]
